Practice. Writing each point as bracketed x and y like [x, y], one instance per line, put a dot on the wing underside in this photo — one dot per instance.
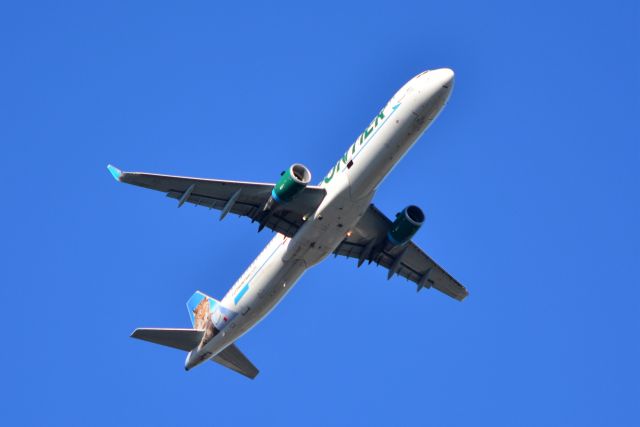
[245, 199]
[367, 243]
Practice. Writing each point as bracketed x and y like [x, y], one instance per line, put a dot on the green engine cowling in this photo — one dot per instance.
[408, 221]
[291, 182]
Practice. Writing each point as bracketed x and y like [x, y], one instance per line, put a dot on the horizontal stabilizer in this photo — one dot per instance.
[232, 358]
[188, 339]
[182, 339]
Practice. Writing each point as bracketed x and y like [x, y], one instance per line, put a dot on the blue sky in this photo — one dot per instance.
[529, 180]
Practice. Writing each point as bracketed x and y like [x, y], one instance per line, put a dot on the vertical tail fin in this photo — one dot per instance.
[197, 308]
[202, 307]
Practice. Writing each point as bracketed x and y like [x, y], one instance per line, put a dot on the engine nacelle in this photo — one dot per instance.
[408, 222]
[291, 182]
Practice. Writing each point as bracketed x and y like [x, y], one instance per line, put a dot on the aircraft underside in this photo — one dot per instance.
[311, 223]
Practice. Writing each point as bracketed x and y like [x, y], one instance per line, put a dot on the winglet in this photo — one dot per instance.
[117, 173]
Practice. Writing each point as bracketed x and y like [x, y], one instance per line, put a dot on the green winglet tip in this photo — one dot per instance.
[115, 172]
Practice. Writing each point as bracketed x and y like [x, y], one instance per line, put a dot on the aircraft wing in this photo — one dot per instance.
[367, 243]
[238, 197]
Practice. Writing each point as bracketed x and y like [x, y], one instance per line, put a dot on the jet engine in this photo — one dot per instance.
[291, 182]
[408, 221]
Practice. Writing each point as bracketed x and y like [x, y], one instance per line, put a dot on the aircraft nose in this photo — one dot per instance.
[444, 76]
[433, 90]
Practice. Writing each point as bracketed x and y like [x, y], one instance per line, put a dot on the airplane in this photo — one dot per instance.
[311, 222]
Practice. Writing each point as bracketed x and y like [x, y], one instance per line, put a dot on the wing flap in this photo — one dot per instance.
[415, 264]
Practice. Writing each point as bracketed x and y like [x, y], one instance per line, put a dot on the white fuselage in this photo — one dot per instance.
[350, 185]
